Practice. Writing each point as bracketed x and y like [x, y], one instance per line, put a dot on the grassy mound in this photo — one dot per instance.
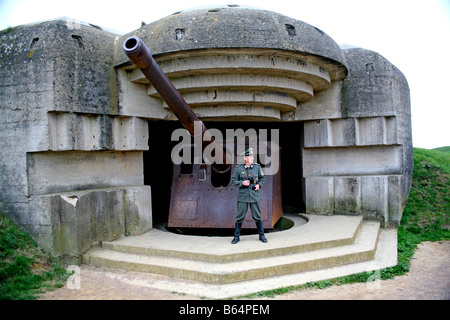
[25, 269]
[427, 213]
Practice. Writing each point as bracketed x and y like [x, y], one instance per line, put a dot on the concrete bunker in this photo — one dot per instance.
[94, 127]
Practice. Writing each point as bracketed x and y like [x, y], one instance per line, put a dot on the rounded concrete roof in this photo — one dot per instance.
[233, 26]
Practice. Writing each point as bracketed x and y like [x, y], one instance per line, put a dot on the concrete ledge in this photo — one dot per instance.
[79, 219]
[89, 132]
[64, 171]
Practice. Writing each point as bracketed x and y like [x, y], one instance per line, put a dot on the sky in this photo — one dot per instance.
[412, 34]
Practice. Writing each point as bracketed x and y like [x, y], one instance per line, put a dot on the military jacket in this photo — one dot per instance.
[256, 176]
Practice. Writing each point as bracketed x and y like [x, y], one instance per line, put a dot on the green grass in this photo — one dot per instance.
[426, 217]
[25, 269]
[442, 149]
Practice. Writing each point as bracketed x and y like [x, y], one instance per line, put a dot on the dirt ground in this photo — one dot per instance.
[428, 279]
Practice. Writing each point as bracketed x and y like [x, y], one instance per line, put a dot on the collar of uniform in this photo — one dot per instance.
[246, 167]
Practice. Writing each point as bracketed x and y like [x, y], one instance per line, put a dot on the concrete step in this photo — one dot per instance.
[260, 266]
[310, 232]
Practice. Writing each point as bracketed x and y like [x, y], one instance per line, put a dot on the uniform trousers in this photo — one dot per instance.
[242, 208]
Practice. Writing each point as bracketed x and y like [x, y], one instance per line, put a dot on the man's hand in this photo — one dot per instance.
[246, 183]
[257, 187]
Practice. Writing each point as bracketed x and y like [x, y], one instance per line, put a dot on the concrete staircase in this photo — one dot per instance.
[212, 267]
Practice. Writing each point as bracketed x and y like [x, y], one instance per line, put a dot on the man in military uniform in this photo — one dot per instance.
[249, 177]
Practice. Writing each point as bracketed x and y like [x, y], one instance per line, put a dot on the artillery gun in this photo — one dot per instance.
[202, 195]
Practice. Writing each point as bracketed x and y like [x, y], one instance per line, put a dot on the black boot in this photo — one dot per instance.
[262, 237]
[237, 232]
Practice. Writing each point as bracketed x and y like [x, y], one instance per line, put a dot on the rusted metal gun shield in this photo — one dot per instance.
[196, 203]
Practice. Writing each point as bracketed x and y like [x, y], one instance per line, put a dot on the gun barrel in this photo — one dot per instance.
[140, 55]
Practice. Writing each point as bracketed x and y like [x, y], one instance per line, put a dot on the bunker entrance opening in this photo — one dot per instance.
[158, 165]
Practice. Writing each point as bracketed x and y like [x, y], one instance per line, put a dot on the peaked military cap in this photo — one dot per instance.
[247, 152]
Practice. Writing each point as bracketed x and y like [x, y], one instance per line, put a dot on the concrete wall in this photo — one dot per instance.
[71, 161]
[358, 153]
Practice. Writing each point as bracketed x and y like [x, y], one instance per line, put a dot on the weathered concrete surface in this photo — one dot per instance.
[52, 172]
[376, 86]
[79, 131]
[60, 132]
[360, 158]
[51, 64]
[233, 63]
[73, 116]
[77, 220]
[235, 27]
